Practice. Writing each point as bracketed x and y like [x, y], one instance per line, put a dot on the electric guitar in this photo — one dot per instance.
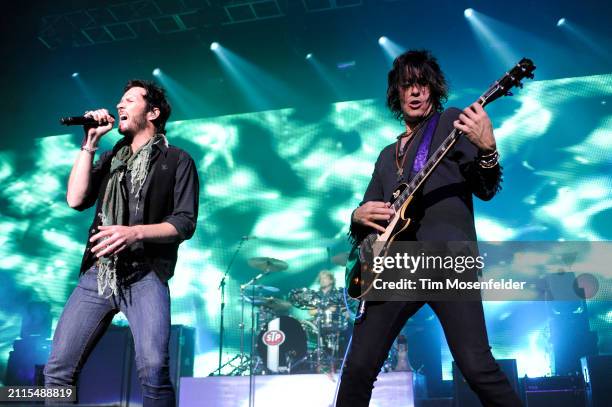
[359, 275]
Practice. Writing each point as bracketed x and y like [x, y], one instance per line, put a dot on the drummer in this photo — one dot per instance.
[328, 293]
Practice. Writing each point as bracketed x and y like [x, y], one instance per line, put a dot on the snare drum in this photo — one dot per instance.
[332, 319]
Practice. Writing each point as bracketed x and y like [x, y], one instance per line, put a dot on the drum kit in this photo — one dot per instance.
[282, 343]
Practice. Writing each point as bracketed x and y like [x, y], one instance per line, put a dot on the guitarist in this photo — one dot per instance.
[416, 91]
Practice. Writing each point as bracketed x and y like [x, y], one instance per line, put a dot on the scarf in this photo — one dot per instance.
[114, 208]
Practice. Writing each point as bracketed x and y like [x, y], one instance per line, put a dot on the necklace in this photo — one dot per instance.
[400, 165]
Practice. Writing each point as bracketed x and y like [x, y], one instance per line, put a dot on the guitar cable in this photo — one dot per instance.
[357, 318]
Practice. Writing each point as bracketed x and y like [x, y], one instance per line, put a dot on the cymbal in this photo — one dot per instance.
[340, 259]
[276, 304]
[256, 300]
[267, 264]
[259, 287]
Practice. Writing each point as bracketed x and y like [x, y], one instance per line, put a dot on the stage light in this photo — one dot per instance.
[586, 36]
[346, 64]
[184, 101]
[488, 32]
[324, 73]
[390, 48]
[260, 88]
[75, 74]
[214, 46]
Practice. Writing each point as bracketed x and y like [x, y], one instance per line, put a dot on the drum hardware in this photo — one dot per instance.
[267, 288]
[222, 305]
[331, 325]
[290, 345]
[304, 298]
[265, 265]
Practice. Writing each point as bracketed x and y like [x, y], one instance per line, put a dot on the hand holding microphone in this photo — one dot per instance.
[104, 120]
[96, 123]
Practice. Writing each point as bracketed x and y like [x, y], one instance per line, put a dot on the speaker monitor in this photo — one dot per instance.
[110, 375]
[597, 373]
[465, 397]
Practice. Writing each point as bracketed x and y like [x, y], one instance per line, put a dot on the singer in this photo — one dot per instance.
[146, 196]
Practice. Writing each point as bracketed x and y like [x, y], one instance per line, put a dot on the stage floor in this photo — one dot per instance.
[397, 389]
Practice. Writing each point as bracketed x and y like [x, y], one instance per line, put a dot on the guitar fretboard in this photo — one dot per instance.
[430, 165]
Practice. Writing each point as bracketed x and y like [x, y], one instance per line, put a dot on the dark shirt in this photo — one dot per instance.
[442, 209]
[170, 194]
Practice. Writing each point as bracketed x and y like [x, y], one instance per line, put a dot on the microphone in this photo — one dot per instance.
[80, 121]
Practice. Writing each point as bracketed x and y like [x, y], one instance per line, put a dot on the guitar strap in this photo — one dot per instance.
[423, 151]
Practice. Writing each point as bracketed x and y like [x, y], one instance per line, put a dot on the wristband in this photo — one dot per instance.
[488, 160]
[89, 149]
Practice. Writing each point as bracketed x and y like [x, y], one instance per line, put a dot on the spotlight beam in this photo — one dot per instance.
[488, 39]
[325, 75]
[258, 86]
[390, 48]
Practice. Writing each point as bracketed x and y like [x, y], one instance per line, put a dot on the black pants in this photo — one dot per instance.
[466, 334]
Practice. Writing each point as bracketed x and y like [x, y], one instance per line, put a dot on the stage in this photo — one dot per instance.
[398, 389]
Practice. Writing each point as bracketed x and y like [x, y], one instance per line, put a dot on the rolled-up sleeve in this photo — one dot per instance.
[186, 197]
[98, 171]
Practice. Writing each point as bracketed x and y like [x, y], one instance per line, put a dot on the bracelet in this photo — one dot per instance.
[491, 154]
[488, 160]
[89, 149]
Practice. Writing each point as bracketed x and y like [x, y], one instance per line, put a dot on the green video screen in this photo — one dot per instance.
[291, 178]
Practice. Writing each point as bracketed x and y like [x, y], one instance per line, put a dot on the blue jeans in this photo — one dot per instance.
[87, 315]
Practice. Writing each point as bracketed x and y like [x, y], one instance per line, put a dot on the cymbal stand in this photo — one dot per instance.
[252, 354]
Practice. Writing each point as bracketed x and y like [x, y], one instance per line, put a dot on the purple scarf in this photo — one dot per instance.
[421, 157]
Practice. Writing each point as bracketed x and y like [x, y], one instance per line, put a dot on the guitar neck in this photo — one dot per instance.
[432, 162]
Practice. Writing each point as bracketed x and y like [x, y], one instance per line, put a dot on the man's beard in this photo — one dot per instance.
[139, 123]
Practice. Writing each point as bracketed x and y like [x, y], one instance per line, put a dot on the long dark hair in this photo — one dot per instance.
[155, 96]
[416, 67]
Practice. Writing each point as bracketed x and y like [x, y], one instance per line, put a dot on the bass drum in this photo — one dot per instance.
[282, 343]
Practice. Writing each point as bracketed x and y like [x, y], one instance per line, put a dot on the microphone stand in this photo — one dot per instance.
[222, 311]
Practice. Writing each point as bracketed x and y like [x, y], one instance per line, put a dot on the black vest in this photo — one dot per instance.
[158, 204]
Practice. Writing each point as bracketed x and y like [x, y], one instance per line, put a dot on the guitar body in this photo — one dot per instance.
[359, 276]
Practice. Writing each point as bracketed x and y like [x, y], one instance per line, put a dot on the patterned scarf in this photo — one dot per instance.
[115, 209]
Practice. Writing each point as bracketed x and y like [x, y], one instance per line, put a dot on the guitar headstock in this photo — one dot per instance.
[524, 69]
